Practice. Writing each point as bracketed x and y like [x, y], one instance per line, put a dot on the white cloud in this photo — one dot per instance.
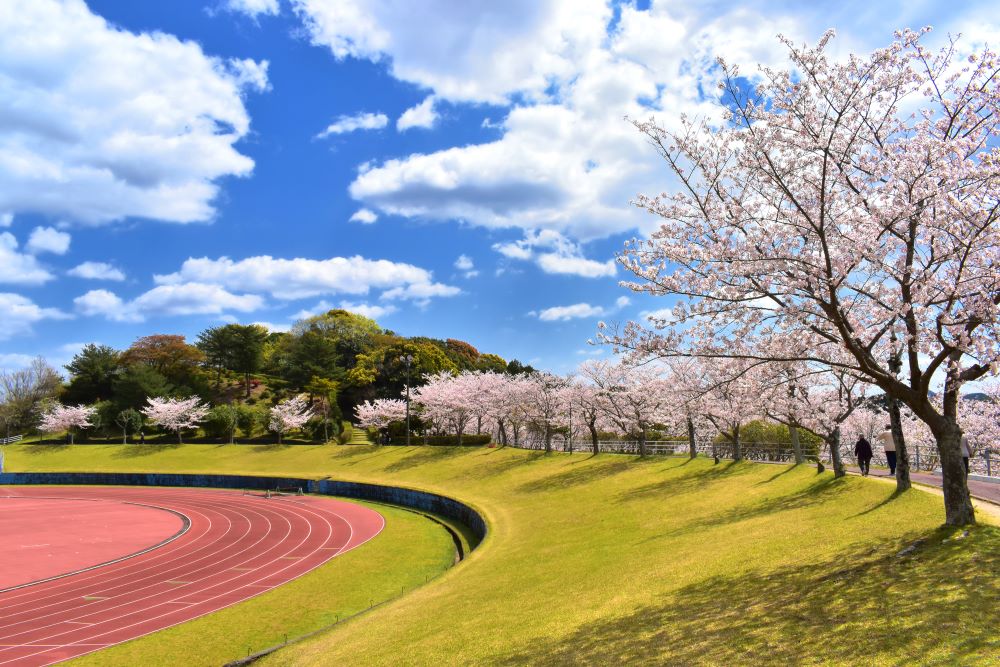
[11, 362]
[96, 271]
[664, 314]
[20, 313]
[552, 262]
[253, 8]
[48, 239]
[373, 311]
[106, 303]
[567, 76]
[622, 301]
[464, 263]
[475, 52]
[422, 115]
[275, 328]
[563, 256]
[6, 219]
[17, 268]
[364, 216]
[361, 121]
[576, 311]
[180, 299]
[100, 123]
[421, 292]
[300, 278]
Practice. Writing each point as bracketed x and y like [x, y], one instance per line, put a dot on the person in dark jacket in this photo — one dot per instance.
[863, 450]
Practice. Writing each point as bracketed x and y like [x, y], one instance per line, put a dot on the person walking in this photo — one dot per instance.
[964, 446]
[863, 451]
[889, 443]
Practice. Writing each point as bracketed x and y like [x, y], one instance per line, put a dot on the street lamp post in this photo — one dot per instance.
[407, 359]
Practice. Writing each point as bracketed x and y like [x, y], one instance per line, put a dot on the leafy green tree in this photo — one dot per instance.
[138, 382]
[222, 420]
[247, 351]
[326, 391]
[491, 363]
[128, 420]
[350, 333]
[23, 391]
[249, 419]
[216, 344]
[92, 374]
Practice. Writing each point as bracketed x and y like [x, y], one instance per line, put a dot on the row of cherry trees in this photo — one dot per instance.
[172, 414]
[840, 220]
[691, 398]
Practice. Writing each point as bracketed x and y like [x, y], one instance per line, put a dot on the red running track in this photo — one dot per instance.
[235, 547]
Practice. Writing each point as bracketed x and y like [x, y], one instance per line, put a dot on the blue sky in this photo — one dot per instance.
[169, 166]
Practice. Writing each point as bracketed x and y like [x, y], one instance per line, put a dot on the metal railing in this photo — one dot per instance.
[11, 439]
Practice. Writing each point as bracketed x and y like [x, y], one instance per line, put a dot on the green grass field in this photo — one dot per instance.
[613, 559]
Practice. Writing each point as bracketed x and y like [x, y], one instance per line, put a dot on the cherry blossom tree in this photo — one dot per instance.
[289, 414]
[544, 404]
[589, 407]
[175, 414]
[634, 398]
[380, 413]
[854, 201]
[67, 418]
[446, 400]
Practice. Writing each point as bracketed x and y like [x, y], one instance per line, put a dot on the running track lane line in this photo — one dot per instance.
[281, 540]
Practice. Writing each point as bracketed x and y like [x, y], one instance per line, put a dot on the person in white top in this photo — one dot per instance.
[889, 443]
[964, 447]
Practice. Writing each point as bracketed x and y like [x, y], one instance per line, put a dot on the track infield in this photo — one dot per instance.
[217, 549]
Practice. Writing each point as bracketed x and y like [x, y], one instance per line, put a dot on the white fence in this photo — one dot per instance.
[11, 439]
[923, 457]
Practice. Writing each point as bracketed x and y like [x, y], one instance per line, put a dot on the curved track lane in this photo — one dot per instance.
[236, 547]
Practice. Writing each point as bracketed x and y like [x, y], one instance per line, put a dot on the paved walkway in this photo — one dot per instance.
[988, 491]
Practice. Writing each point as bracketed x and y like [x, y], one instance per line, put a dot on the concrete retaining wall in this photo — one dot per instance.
[419, 500]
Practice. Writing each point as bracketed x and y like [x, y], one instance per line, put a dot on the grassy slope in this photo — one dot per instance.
[601, 559]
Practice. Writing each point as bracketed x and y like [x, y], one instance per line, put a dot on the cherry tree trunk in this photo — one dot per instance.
[902, 456]
[793, 433]
[124, 437]
[503, 432]
[692, 444]
[594, 440]
[642, 442]
[548, 438]
[737, 449]
[833, 441]
[958, 508]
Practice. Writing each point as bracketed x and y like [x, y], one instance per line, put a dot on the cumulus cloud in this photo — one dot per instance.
[300, 278]
[361, 121]
[465, 264]
[101, 124]
[566, 73]
[471, 52]
[17, 268]
[48, 239]
[364, 216]
[373, 311]
[96, 271]
[6, 219]
[253, 8]
[576, 311]
[179, 299]
[20, 313]
[579, 311]
[560, 255]
[422, 115]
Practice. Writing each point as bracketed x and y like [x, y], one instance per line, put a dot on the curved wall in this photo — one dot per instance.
[420, 500]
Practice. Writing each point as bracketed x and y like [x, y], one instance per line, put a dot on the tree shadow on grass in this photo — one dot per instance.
[865, 605]
[784, 471]
[577, 476]
[137, 451]
[695, 480]
[426, 455]
[493, 467]
[40, 449]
